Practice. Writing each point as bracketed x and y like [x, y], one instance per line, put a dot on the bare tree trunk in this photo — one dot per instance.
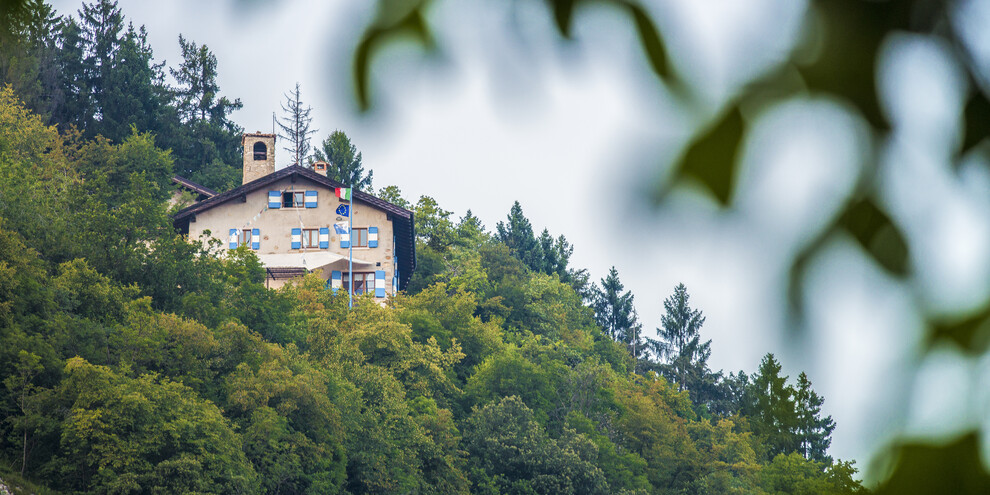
[24, 453]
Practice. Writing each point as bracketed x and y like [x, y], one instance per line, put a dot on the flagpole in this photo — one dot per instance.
[350, 251]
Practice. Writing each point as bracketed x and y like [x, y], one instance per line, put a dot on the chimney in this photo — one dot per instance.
[320, 168]
[259, 155]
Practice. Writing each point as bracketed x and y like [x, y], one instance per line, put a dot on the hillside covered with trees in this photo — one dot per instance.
[134, 360]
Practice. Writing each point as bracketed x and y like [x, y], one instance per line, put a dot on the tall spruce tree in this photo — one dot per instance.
[345, 161]
[101, 24]
[74, 102]
[198, 95]
[135, 90]
[517, 235]
[614, 310]
[207, 148]
[772, 410]
[556, 254]
[814, 432]
[295, 124]
[544, 254]
[470, 232]
[683, 356]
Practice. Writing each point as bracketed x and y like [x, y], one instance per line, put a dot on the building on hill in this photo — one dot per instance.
[295, 222]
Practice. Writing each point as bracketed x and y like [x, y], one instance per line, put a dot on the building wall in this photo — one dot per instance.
[275, 226]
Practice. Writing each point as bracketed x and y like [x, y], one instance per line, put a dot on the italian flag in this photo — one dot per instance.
[344, 193]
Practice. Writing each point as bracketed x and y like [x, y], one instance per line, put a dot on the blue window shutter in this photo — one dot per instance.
[345, 240]
[372, 237]
[274, 199]
[379, 283]
[233, 238]
[310, 199]
[324, 237]
[336, 282]
[296, 238]
[256, 239]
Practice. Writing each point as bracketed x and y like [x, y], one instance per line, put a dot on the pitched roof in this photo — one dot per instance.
[402, 219]
[194, 187]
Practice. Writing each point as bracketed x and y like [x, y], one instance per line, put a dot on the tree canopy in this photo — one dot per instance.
[344, 160]
[134, 360]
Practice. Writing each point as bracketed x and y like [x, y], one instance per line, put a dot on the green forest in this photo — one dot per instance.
[134, 360]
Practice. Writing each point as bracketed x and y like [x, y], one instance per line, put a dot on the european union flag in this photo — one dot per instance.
[344, 210]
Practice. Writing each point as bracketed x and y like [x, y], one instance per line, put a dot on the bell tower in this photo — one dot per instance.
[259, 155]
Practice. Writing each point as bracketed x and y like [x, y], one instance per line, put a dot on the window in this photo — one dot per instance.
[293, 199]
[364, 281]
[245, 238]
[260, 151]
[311, 238]
[359, 237]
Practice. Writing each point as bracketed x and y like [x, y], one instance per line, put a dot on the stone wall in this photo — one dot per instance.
[256, 169]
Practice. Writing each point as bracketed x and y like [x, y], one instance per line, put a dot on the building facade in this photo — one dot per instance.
[294, 221]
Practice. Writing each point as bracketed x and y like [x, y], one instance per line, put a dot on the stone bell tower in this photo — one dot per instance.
[259, 155]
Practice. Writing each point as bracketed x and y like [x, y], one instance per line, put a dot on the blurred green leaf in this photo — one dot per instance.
[922, 469]
[649, 37]
[853, 32]
[871, 228]
[646, 29]
[796, 274]
[877, 234]
[971, 333]
[977, 116]
[563, 14]
[710, 160]
[395, 19]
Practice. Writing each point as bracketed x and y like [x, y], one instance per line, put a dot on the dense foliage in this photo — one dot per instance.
[134, 360]
[96, 73]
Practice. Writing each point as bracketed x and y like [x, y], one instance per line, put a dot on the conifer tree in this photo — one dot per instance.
[544, 254]
[772, 409]
[207, 147]
[470, 232]
[295, 126]
[135, 89]
[814, 432]
[73, 105]
[517, 234]
[683, 356]
[101, 24]
[198, 95]
[614, 310]
[344, 160]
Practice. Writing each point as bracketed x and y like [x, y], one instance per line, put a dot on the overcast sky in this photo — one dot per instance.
[576, 132]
